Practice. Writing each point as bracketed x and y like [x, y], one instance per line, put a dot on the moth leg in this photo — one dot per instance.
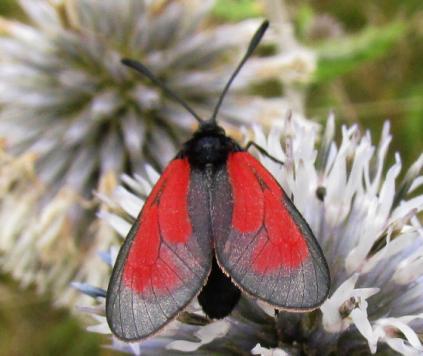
[263, 151]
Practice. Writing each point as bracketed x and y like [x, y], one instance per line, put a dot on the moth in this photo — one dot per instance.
[216, 223]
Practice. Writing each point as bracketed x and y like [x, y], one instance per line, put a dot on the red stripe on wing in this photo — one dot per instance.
[173, 211]
[247, 215]
[166, 215]
[280, 243]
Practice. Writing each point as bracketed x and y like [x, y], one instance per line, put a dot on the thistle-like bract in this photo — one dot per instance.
[368, 226]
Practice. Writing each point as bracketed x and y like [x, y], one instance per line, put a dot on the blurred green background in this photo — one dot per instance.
[369, 70]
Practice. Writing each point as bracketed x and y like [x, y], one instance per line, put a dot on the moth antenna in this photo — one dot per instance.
[251, 47]
[141, 68]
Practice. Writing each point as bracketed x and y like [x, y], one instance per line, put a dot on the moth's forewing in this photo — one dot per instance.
[261, 240]
[165, 259]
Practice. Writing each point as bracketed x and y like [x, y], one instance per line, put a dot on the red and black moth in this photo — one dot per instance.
[215, 224]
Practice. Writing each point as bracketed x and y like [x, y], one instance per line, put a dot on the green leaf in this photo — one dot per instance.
[236, 10]
[412, 126]
[8, 7]
[303, 19]
[342, 55]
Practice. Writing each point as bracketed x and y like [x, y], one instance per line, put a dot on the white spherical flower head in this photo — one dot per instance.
[368, 226]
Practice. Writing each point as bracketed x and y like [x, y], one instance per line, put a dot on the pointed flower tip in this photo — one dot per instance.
[89, 290]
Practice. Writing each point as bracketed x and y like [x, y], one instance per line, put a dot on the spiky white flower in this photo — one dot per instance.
[367, 224]
[66, 100]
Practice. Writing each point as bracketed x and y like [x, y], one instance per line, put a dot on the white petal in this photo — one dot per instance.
[400, 346]
[332, 320]
[418, 182]
[135, 348]
[152, 174]
[120, 225]
[100, 329]
[408, 332]
[137, 183]
[184, 346]
[410, 269]
[213, 331]
[363, 325]
[263, 351]
[128, 201]
[206, 334]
